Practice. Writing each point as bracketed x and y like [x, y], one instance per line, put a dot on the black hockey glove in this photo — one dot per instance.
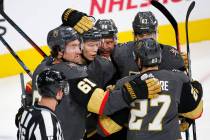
[197, 86]
[138, 89]
[77, 20]
[18, 116]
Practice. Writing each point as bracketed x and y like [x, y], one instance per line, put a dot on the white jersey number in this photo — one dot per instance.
[86, 85]
[140, 111]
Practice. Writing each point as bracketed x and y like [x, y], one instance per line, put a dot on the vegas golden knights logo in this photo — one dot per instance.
[55, 33]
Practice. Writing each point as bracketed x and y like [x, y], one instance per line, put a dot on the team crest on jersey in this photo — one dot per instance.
[146, 76]
[174, 51]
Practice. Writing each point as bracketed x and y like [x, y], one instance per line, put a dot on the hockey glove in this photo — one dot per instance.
[185, 124]
[191, 103]
[77, 20]
[138, 89]
[197, 87]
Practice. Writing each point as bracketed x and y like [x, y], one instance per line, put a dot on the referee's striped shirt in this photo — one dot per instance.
[39, 123]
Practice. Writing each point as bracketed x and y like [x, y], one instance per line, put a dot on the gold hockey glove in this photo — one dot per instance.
[80, 21]
[138, 89]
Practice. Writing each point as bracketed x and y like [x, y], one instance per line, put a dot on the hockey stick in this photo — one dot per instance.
[15, 56]
[23, 95]
[17, 28]
[192, 5]
[171, 19]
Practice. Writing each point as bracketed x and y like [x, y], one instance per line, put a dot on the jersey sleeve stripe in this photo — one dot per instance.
[96, 101]
[106, 133]
[108, 125]
[104, 103]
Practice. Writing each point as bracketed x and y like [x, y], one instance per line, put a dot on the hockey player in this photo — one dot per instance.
[80, 22]
[171, 58]
[91, 41]
[39, 121]
[109, 36]
[65, 42]
[158, 118]
[109, 41]
[97, 65]
[148, 59]
[145, 26]
[60, 53]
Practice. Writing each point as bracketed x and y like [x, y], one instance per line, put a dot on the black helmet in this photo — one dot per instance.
[107, 27]
[50, 81]
[92, 34]
[60, 35]
[144, 22]
[149, 52]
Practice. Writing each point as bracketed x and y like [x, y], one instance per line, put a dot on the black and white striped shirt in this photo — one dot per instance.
[39, 123]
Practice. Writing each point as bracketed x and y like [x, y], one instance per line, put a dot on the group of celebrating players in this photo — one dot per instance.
[92, 87]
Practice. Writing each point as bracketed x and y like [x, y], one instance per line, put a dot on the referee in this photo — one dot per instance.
[39, 122]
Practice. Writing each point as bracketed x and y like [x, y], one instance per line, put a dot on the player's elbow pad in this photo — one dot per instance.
[191, 104]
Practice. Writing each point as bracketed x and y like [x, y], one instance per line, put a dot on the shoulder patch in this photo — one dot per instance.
[176, 70]
[174, 51]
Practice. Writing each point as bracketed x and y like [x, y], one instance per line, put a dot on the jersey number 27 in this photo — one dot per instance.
[139, 112]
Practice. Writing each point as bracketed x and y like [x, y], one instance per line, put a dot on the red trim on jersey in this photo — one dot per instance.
[106, 133]
[101, 110]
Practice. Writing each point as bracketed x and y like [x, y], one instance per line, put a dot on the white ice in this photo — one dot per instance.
[10, 91]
